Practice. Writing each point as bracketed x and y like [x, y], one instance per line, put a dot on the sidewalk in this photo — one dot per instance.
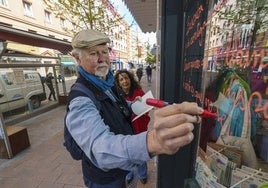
[47, 164]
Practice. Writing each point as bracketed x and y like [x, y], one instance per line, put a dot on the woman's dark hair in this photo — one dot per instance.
[134, 84]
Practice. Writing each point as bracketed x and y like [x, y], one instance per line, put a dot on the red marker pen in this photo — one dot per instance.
[161, 103]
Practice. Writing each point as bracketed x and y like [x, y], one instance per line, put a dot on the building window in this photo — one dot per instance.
[74, 26]
[3, 3]
[62, 22]
[28, 8]
[48, 18]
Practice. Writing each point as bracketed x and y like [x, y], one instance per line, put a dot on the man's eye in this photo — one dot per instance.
[93, 53]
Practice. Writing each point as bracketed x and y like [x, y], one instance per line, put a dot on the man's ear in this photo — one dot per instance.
[76, 56]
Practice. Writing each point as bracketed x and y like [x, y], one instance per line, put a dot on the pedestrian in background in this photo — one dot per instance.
[50, 86]
[149, 73]
[59, 78]
[105, 133]
[139, 73]
[127, 82]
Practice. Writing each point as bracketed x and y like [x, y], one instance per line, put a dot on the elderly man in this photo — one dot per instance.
[101, 125]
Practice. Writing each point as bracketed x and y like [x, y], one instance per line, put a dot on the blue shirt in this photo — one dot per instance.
[105, 149]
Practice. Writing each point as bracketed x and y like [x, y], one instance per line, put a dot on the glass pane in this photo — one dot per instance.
[235, 86]
[27, 90]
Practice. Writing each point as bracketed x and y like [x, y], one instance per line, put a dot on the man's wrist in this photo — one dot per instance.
[151, 144]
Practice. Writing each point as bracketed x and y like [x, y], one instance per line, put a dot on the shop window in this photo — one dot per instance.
[235, 87]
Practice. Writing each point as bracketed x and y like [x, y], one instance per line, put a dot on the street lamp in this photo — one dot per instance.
[3, 46]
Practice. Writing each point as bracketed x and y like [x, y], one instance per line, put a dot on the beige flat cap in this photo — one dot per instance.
[89, 38]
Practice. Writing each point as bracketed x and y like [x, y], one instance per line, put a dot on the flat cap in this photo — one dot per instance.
[89, 38]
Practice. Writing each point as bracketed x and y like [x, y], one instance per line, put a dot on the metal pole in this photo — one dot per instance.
[63, 79]
[56, 82]
[157, 48]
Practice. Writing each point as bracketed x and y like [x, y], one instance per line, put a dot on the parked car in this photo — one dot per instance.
[19, 88]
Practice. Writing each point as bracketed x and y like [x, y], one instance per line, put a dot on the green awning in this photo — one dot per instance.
[265, 59]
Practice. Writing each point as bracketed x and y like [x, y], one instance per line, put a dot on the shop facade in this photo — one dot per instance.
[225, 73]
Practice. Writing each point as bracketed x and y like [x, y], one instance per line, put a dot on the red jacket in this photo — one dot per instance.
[140, 124]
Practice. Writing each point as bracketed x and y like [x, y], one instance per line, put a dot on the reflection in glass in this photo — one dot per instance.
[235, 73]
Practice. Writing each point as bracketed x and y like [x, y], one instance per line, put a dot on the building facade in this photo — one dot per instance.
[19, 18]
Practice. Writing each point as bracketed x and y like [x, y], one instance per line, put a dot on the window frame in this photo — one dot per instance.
[4, 3]
[27, 8]
[62, 22]
[48, 17]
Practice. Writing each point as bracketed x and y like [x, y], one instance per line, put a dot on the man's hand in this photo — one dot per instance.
[172, 129]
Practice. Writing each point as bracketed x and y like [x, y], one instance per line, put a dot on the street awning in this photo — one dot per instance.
[265, 59]
[34, 39]
[69, 63]
[145, 13]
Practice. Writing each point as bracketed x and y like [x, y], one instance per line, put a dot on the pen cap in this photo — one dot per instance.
[209, 114]
[155, 102]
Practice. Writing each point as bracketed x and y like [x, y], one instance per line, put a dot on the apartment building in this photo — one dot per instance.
[28, 26]
[26, 18]
[229, 43]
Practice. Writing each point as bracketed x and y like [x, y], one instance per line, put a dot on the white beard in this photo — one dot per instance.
[102, 70]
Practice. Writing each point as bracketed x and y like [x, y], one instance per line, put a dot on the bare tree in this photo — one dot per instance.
[91, 14]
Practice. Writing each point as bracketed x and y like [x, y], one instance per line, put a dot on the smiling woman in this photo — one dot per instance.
[133, 92]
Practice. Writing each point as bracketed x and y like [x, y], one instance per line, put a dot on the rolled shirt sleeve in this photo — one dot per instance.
[105, 149]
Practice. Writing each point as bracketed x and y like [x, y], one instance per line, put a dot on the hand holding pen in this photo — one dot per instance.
[172, 127]
[161, 103]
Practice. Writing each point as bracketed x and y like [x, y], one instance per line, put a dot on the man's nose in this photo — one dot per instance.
[101, 57]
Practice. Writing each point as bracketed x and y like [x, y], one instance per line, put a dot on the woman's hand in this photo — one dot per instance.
[138, 98]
